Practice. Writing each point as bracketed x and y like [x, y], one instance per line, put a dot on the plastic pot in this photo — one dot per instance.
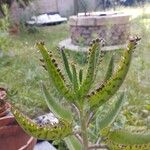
[12, 136]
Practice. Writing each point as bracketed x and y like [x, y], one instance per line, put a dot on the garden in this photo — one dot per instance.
[36, 81]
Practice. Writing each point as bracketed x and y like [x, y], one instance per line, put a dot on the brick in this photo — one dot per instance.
[113, 28]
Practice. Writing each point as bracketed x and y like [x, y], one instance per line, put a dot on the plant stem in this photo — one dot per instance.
[84, 130]
[98, 146]
[79, 138]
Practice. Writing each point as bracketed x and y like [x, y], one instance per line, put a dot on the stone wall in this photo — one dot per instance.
[15, 12]
[18, 13]
[46, 6]
[39, 7]
[114, 29]
[64, 7]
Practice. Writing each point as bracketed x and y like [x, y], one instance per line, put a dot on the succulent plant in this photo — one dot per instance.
[73, 126]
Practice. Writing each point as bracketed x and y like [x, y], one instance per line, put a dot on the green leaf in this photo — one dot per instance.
[148, 107]
[80, 76]
[126, 137]
[66, 64]
[109, 73]
[73, 143]
[74, 79]
[98, 60]
[110, 117]
[85, 87]
[54, 74]
[110, 69]
[58, 110]
[55, 131]
[105, 92]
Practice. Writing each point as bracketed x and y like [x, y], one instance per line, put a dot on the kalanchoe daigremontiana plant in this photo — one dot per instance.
[86, 101]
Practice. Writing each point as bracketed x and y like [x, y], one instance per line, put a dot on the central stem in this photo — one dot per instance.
[84, 130]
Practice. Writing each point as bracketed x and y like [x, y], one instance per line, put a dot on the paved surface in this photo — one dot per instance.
[67, 44]
[44, 146]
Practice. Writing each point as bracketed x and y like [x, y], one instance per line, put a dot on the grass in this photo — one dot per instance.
[21, 69]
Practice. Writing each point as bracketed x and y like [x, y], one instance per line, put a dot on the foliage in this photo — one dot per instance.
[4, 26]
[86, 102]
[20, 70]
[22, 3]
[77, 57]
[4, 22]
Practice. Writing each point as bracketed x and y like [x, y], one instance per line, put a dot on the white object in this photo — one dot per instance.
[44, 146]
[46, 19]
[47, 119]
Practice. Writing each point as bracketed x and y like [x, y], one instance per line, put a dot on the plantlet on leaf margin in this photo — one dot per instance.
[85, 103]
[103, 94]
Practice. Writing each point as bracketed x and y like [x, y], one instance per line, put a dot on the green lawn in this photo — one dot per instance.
[21, 70]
